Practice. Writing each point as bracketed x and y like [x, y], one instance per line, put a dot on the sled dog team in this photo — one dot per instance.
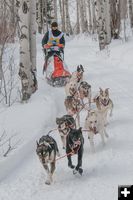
[77, 90]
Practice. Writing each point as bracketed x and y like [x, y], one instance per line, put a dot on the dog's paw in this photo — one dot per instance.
[71, 166]
[80, 171]
[75, 171]
[47, 182]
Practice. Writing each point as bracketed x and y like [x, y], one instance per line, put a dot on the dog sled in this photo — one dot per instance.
[57, 73]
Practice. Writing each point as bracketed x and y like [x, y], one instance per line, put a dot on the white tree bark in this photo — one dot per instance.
[85, 15]
[55, 11]
[123, 9]
[130, 2]
[44, 5]
[94, 24]
[89, 15]
[32, 33]
[107, 21]
[68, 23]
[77, 23]
[123, 16]
[115, 18]
[82, 17]
[25, 71]
[62, 13]
[100, 17]
[39, 16]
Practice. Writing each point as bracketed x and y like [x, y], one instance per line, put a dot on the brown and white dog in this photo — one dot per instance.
[94, 124]
[84, 91]
[104, 104]
[73, 107]
[65, 124]
[47, 150]
[72, 86]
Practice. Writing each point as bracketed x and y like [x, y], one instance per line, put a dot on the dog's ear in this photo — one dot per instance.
[37, 143]
[78, 68]
[101, 91]
[81, 67]
[57, 120]
[80, 129]
[107, 90]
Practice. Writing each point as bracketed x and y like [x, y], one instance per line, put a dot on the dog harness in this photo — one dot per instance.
[76, 146]
[65, 131]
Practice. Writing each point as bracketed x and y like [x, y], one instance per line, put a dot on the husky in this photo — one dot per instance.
[94, 124]
[78, 74]
[47, 150]
[65, 123]
[74, 145]
[104, 104]
[84, 91]
[73, 107]
[72, 86]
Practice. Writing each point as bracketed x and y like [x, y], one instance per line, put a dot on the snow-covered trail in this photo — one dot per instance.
[111, 165]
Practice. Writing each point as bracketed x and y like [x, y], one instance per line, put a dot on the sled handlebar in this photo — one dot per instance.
[52, 47]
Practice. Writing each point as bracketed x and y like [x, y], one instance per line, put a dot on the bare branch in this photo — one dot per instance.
[2, 136]
[8, 144]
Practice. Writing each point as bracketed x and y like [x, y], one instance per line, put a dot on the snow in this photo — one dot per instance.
[22, 175]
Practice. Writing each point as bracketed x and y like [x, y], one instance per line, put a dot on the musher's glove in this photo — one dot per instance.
[61, 45]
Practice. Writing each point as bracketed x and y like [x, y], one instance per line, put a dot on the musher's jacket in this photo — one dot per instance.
[53, 37]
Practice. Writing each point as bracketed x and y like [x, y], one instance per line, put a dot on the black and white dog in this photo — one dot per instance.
[74, 145]
[47, 150]
[65, 123]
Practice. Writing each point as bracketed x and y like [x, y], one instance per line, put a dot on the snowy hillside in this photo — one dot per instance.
[22, 175]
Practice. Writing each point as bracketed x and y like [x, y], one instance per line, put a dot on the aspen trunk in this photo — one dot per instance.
[62, 13]
[115, 18]
[101, 23]
[25, 70]
[90, 15]
[94, 25]
[82, 17]
[68, 23]
[130, 2]
[78, 23]
[107, 21]
[55, 11]
[39, 16]
[32, 33]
